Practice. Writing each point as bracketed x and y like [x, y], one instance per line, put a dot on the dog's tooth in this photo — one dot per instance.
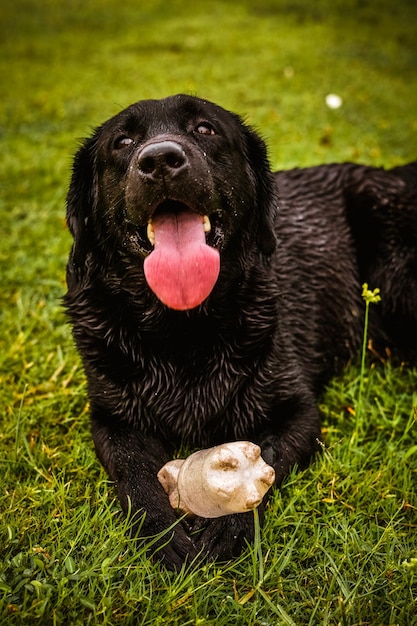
[151, 233]
[206, 224]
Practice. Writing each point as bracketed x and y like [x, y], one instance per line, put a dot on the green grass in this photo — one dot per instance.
[340, 541]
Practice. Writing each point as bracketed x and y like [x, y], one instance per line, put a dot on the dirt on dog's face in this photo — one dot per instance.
[173, 190]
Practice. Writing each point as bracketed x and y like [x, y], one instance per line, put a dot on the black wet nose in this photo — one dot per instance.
[163, 158]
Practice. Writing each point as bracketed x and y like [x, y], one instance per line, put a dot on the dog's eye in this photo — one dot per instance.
[204, 128]
[122, 142]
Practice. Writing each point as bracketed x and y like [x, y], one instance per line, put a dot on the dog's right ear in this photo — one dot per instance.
[81, 201]
[265, 190]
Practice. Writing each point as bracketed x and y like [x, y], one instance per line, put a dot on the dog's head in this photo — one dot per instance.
[177, 186]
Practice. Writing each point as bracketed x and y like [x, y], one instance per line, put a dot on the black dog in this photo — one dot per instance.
[199, 330]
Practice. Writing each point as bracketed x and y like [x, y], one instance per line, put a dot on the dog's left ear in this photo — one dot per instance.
[81, 199]
[265, 190]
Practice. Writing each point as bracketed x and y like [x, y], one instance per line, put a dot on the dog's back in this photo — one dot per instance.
[359, 225]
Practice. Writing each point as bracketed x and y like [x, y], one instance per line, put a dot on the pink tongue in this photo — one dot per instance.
[182, 269]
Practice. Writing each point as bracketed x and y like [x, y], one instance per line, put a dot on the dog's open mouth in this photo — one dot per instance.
[175, 210]
[183, 266]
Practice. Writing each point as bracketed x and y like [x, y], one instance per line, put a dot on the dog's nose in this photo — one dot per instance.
[162, 158]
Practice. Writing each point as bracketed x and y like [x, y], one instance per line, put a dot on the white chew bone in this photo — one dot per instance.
[230, 478]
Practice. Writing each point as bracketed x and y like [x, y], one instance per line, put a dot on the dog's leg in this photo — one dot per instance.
[133, 461]
[292, 440]
[381, 207]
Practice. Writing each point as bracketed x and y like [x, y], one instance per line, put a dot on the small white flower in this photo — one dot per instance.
[333, 101]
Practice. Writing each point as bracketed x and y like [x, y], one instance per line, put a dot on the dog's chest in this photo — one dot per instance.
[187, 395]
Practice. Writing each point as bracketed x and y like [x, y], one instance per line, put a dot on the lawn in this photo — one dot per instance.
[340, 541]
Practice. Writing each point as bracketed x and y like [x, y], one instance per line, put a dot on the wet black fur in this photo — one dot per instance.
[284, 316]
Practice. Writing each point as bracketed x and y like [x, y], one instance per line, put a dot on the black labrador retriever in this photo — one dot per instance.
[211, 299]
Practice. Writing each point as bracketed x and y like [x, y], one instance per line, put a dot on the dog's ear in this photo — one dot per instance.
[81, 200]
[265, 190]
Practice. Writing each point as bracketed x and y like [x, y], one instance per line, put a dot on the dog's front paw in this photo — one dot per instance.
[225, 537]
[174, 548]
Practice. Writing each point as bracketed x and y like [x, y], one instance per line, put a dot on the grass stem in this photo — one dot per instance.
[370, 297]
[259, 559]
